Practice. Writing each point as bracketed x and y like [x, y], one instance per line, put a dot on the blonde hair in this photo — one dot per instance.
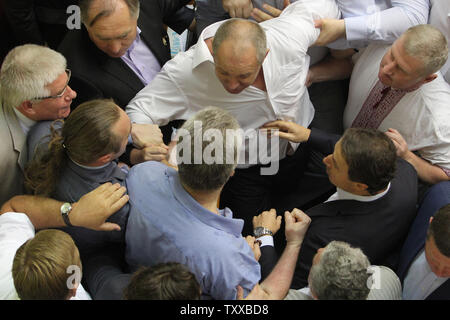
[427, 44]
[40, 266]
[26, 71]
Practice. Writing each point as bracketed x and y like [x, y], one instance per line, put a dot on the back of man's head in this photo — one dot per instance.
[104, 8]
[208, 149]
[40, 268]
[341, 273]
[165, 281]
[427, 44]
[371, 157]
[26, 71]
[439, 230]
[240, 33]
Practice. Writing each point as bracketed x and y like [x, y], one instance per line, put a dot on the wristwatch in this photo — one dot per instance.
[65, 210]
[261, 231]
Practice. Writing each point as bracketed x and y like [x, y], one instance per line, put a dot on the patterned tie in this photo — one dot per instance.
[377, 106]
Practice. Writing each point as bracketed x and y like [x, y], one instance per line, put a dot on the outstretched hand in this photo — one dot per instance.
[288, 130]
[330, 30]
[273, 12]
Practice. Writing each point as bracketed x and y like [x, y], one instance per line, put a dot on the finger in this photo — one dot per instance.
[240, 293]
[104, 188]
[273, 211]
[279, 219]
[288, 219]
[318, 23]
[260, 15]
[232, 13]
[108, 226]
[274, 12]
[279, 124]
[257, 249]
[285, 135]
[115, 206]
[248, 10]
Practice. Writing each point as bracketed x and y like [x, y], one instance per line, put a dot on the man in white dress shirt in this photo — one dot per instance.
[398, 89]
[440, 18]
[254, 85]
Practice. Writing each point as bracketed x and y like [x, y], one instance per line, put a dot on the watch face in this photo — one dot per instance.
[66, 207]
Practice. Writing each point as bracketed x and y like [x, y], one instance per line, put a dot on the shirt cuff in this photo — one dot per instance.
[266, 241]
[355, 28]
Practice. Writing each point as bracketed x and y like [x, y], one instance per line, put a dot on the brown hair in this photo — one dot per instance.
[85, 136]
[439, 229]
[40, 266]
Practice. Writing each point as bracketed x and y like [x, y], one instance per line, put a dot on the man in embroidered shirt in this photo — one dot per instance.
[399, 90]
[257, 75]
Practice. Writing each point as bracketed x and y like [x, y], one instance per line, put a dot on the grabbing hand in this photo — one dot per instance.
[399, 142]
[273, 12]
[254, 245]
[330, 30]
[268, 220]
[289, 130]
[238, 8]
[144, 135]
[92, 210]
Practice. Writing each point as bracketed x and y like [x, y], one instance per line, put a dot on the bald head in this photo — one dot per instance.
[93, 10]
[241, 35]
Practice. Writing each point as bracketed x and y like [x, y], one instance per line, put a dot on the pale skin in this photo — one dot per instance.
[277, 283]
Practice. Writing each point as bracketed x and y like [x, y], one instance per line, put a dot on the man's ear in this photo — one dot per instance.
[105, 159]
[26, 107]
[430, 78]
[431, 219]
[360, 186]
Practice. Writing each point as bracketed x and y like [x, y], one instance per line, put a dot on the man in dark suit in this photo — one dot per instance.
[424, 266]
[375, 202]
[121, 47]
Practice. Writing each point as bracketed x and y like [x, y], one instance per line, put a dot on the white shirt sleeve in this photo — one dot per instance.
[386, 25]
[15, 229]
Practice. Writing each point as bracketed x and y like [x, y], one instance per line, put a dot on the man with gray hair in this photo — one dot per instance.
[342, 272]
[257, 72]
[34, 87]
[174, 215]
[398, 89]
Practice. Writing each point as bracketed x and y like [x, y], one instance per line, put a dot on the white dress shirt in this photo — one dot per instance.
[378, 20]
[440, 18]
[344, 195]
[420, 281]
[421, 116]
[15, 230]
[187, 83]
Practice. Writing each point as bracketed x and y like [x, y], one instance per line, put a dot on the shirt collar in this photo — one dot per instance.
[136, 41]
[344, 195]
[25, 122]
[223, 221]
[202, 52]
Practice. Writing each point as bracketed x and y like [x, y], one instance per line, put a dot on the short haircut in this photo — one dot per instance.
[200, 175]
[108, 6]
[40, 267]
[242, 33]
[165, 281]
[86, 135]
[341, 274]
[371, 157]
[26, 72]
[439, 229]
[427, 44]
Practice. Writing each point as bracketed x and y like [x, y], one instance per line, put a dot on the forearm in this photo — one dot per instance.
[330, 69]
[279, 280]
[42, 212]
[426, 171]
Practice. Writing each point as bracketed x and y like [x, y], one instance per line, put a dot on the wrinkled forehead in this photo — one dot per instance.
[236, 59]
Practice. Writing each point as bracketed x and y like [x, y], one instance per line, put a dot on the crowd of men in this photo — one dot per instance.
[294, 151]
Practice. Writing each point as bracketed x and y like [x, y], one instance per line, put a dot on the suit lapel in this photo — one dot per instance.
[18, 137]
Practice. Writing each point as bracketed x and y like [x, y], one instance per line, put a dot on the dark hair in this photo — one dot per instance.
[164, 281]
[85, 136]
[371, 157]
[440, 230]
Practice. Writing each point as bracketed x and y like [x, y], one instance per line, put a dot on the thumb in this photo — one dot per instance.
[240, 293]
[108, 226]
[288, 219]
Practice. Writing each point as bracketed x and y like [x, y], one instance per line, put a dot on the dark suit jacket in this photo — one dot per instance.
[111, 76]
[378, 227]
[436, 197]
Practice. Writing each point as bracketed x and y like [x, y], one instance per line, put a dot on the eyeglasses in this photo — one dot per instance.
[59, 95]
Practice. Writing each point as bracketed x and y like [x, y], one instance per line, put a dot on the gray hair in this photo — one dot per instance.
[26, 71]
[197, 172]
[341, 273]
[108, 8]
[242, 33]
[427, 44]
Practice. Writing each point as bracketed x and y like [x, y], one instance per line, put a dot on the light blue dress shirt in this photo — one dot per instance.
[420, 281]
[378, 20]
[167, 224]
